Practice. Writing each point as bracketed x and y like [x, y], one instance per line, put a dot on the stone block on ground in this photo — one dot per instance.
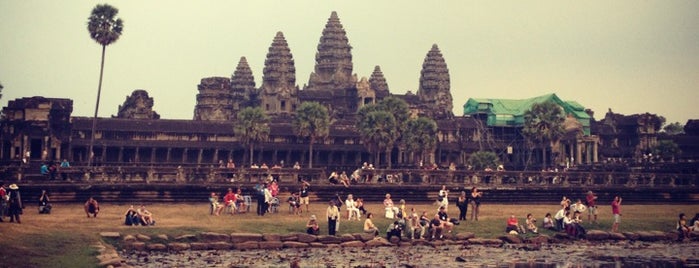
[214, 237]
[436, 243]
[485, 241]
[199, 246]
[306, 238]
[329, 239]
[511, 239]
[110, 235]
[245, 237]
[539, 239]
[163, 237]
[347, 237]
[627, 235]
[271, 244]
[187, 237]
[289, 237]
[294, 244]
[178, 246]
[394, 240]
[115, 262]
[271, 237]
[219, 245]
[651, 236]
[142, 237]
[352, 244]
[464, 236]
[129, 238]
[247, 245]
[138, 246]
[378, 242]
[156, 247]
[366, 237]
[317, 245]
[597, 235]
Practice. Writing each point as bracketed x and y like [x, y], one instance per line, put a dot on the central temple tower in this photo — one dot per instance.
[333, 67]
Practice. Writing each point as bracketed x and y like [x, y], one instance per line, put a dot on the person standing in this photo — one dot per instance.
[14, 203]
[303, 193]
[462, 204]
[616, 211]
[65, 164]
[333, 214]
[591, 199]
[475, 202]
[444, 197]
[3, 201]
[44, 206]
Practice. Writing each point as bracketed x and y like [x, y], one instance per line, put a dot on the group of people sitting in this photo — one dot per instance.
[140, 216]
[685, 228]
[232, 202]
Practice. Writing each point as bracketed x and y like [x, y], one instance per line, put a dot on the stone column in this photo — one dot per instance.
[167, 155]
[200, 155]
[184, 155]
[578, 153]
[594, 151]
[103, 157]
[136, 157]
[216, 156]
[120, 156]
[152, 154]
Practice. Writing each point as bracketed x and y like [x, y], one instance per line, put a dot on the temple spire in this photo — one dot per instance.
[333, 67]
[434, 90]
[378, 83]
[243, 89]
[279, 93]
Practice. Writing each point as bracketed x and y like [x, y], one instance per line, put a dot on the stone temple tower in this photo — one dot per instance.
[214, 99]
[434, 91]
[333, 67]
[279, 93]
[243, 91]
[378, 83]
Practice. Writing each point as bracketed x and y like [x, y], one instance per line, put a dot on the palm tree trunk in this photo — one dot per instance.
[388, 158]
[310, 153]
[251, 153]
[97, 106]
[543, 157]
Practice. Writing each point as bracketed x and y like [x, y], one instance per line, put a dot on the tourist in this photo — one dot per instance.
[548, 222]
[312, 227]
[475, 202]
[131, 217]
[576, 222]
[64, 164]
[229, 200]
[401, 207]
[269, 199]
[297, 165]
[416, 230]
[92, 207]
[444, 198]
[333, 178]
[44, 205]
[513, 226]
[369, 226]
[14, 200]
[145, 215]
[303, 193]
[356, 175]
[273, 188]
[294, 206]
[44, 170]
[462, 204]
[216, 206]
[435, 228]
[260, 198]
[240, 201]
[531, 224]
[591, 199]
[694, 223]
[391, 210]
[351, 207]
[683, 228]
[578, 206]
[333, 214]
[3, 201]
[447, 224]
[344, 179]
[394, 229]
[616, 212]
[565, 203]
[560, 215]
[360, 206]
[568, 224]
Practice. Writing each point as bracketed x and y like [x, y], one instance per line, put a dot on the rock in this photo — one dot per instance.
[129, 238]
[177, 246]
[651, 236]
[294, 244]
[271, 237]
[329, 239]
[485, 241]
[366, 237]
[378, 242]
[247, 245]
[142, 237]
[156, 247]
[405, 244]
[394, 240]
[347, 237]
[460, 259]
[511, 239]
[562, 236]
[464, 236]
[436, 243]
[271, 244]
[113, 262]
[110, 235]
[219, 245]
[245, 237]
[333, 246]
[199, 246]
[626, 235]
[352, 244]
[288, 237]
[317, 245]
[539, 239]
[162, 237]
[187, 237]
[596, 235]
[138, 246]
[214, 237]
[306, 238]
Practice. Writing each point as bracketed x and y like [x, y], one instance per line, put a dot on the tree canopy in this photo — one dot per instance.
[674, 128]
[312, 121]
[543, 125]
[103, 25]
[252, 127]
[421, 136]
[483, 159]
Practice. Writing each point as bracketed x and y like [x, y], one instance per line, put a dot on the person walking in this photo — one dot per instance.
[462, 204]
[14, 203]
[616, 211]
[333, 214]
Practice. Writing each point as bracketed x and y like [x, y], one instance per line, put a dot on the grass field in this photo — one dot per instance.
[63, 238]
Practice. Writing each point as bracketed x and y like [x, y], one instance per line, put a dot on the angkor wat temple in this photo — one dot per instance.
[44, 129]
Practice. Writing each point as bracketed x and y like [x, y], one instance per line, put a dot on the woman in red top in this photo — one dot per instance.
[512, 224]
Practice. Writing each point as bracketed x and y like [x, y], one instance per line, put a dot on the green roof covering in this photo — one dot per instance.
[505, 112]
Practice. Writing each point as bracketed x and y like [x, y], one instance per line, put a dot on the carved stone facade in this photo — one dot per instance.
[137, 106]
[434, 91]
[279, 92]
[626, 136]
[333, 67]
[214, 99]
[243, 91]
[378, 83]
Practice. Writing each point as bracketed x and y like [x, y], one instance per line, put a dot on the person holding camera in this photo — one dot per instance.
[531, 224]
[616, 211]
[333, 214]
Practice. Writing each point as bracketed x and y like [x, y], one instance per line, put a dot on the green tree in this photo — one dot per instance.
[667, 149]
[399, 109]
[421, 136]
[674, 128]
[483, 159]
[379, 132]
[312, 121]
[252, 126]
[543, 125]
[105, 28]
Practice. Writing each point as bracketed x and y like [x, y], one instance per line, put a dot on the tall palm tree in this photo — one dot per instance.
[378, 130]
[421, 136]
[543, 125]
[105, 29]
[312, 121]
[252, 126]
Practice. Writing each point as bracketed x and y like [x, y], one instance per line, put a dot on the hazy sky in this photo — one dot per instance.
[631, 56]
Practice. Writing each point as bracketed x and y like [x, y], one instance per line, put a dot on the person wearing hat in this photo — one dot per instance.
[14, 203]
[333, 214]
[312, 227]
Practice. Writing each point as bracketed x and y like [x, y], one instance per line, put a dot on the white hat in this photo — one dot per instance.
[14, 186]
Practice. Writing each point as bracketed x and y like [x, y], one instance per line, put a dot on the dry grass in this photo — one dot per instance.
[64, 236]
